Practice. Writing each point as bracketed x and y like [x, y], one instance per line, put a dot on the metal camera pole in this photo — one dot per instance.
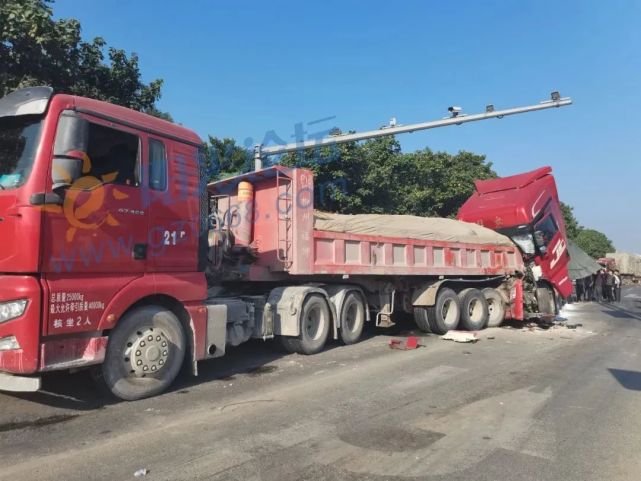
[456, 118]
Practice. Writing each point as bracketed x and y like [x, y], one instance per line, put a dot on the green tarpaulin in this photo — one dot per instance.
[581, 264]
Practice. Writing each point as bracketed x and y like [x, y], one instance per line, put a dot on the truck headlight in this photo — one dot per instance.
[9, 343]
[12, 309]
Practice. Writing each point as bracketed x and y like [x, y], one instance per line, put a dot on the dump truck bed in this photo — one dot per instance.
[407, 245]
[291, 239]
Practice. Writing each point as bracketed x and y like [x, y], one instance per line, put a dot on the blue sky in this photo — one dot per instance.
[241, 68]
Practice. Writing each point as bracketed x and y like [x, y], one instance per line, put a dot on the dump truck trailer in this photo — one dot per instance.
[628, 265]
[119, 257]
[448, 273]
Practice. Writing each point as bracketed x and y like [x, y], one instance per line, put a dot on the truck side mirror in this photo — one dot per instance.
[69, 152]
[65, 171]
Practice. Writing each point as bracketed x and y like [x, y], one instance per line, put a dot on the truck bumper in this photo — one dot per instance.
[23, 359]
[10, 382]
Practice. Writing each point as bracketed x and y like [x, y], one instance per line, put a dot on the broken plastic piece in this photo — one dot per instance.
[460, 336]
[409, 343]
[141, 472]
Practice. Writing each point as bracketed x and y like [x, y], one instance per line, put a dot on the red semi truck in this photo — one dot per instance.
[117, 255]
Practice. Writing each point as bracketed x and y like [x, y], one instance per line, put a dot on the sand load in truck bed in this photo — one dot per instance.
[409, 227]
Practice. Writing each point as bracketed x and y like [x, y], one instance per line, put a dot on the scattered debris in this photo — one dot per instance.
[404, 344]
[460, 336]
[574, 326]
[467, 353]
[490, 337]
[141, 472]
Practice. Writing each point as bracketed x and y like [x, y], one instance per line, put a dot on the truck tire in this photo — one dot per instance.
[352, 318]
[546, 301]
[421, 320]
[144, 354]
[443, 316]
[314, 321]
[495, 307]
[474, 309]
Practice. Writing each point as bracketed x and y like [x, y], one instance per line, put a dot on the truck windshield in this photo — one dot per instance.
[18, 143]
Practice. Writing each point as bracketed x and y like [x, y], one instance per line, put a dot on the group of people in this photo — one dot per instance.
[604, 286]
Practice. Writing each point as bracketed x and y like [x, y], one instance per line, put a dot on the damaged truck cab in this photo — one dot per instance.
[526, 208]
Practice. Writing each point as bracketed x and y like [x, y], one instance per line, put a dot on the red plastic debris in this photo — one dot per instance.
[404, 344]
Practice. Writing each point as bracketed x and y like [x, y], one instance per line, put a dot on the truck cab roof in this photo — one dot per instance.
[125, 116]
[510, 201]
[36, 101]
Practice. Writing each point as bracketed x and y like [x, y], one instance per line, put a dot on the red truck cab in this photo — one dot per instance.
[93, 198]
[526, 208]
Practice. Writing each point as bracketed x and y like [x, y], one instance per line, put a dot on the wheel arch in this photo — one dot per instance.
[425, 294]
[286, 303]
[337, 293]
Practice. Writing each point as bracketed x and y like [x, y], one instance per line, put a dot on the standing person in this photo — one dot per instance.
[609, 286]
[598, 286]
[580, 290]
[617, 286]
[589, 284]
[609, 281]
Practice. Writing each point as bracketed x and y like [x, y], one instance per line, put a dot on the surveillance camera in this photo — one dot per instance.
[454, 110]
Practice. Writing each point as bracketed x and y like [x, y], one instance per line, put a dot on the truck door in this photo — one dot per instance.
[553, 257]
[96, 241]
[174, 205]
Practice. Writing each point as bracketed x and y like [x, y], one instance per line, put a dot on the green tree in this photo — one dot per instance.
[225, 158]
[376, 177]
[572, 225]
[595, 243]
[35, 49]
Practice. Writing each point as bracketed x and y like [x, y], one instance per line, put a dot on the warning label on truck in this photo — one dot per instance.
[72, 310]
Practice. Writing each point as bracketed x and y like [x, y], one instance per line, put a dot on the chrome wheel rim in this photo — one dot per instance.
[147, 352]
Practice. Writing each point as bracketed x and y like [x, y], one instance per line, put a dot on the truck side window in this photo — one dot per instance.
[157, 165]
[544, 231]
[114, 155]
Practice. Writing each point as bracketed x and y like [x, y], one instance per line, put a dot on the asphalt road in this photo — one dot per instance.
[519, 404]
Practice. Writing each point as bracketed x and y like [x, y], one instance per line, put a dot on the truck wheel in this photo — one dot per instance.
[314, 323]
[443, 316]
[474, 309]
[546, 301]
[495, 307]
[144, 354]
[421, 320]
[352, 318]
